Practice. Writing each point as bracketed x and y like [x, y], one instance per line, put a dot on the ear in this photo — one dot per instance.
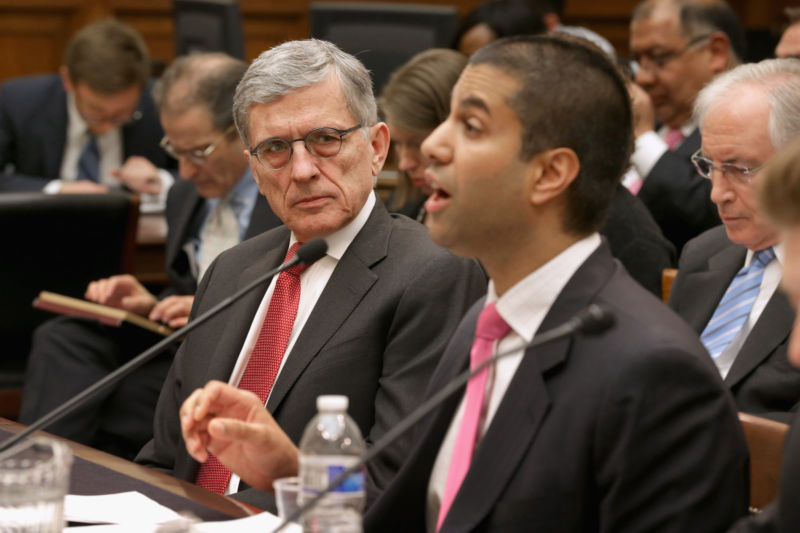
[379, 141]
[557, 169]
[63, 71]
[719, 47]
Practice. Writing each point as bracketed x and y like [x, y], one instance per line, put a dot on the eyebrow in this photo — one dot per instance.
[474, 101]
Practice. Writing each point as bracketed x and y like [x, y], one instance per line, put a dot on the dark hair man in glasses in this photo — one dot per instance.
[89, 128]
[727, 277]
[678, 47]
[368, 320]
[214, 206]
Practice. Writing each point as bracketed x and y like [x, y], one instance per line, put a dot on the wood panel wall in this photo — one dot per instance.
[33, 33]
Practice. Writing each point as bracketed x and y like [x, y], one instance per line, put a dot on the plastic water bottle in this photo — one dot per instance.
[331, 444]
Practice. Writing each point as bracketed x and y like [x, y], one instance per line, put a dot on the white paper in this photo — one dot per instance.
[121, 508]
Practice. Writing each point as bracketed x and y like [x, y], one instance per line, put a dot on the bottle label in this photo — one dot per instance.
[317, 472]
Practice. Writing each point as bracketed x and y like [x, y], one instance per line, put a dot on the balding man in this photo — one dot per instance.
[679, 46]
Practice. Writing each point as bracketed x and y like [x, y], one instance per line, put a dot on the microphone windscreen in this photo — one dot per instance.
[312, 250]
[595, 319]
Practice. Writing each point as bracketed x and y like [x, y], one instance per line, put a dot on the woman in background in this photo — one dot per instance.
[414, 101]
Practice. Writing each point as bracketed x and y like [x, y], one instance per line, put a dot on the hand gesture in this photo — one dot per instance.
[123, 292]
[139, 175]
[173, 311]
[234, 425]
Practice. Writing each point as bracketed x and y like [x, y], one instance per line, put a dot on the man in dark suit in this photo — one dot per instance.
[679, 46]
[91, 127]
[371, 318]
[779, 200]
[627, 430]
[195, 97]
[743, 119]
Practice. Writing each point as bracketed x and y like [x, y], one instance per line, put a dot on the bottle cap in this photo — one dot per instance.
[332, 402]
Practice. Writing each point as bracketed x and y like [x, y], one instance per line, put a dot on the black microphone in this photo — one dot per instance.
[592, 320]
[306, 254]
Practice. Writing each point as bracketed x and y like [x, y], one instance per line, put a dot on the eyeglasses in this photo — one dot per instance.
[738, 174]
[133, 117]
[275, 153]
[197, 156]
[654, 62]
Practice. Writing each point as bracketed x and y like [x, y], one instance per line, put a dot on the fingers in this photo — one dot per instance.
[173, 311]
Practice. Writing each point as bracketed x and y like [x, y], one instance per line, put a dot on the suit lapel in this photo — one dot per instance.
[351, 280]
[711, 285]
[53, 131]
[526, 402]
[772, 328]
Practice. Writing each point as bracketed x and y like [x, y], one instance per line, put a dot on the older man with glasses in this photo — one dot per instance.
[678, 47]
[215, 206]
[727, 278]
[369, 320]
[92, 127]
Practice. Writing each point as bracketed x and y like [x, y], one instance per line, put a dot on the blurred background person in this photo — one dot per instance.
[415, 100]
[91, 127]
[789, 45]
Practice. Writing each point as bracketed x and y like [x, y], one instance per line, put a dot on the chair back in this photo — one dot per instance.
[57, 243]
[765, 439]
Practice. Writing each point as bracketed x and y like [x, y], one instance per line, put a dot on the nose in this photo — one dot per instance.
[437, 146]
[644, 77]
[187, 169]
[721, 190]
[303, 163]
[406, 160]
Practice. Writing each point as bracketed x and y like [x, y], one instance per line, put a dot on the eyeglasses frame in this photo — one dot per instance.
[341, 133]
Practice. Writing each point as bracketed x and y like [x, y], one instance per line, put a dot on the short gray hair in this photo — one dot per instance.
[294, 65]
[780, 80]
[204, 79]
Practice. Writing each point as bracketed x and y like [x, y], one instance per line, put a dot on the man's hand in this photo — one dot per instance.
[234, 425]
[173, 311]
[139, 175]
[123, 292]
[643, 112]
[82, 187]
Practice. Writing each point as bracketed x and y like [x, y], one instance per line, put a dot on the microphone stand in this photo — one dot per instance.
[592, 320]
[316, 248]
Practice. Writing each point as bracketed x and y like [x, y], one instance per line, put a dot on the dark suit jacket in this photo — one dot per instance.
[183, 207]
[375, 335]
[783, 515]
[761, 379]
[33, 131]
[678, 197]
[626, 431]
[636, 240]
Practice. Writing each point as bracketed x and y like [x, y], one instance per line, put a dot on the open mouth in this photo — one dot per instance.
[438, 199]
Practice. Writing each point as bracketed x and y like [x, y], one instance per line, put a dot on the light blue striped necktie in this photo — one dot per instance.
[736, 303]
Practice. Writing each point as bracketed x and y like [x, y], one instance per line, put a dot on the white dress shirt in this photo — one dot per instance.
[312, 283]
[109, 145]
[523, 307]
[650, 146]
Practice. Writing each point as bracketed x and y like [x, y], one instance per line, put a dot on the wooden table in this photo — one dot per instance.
[96, 472]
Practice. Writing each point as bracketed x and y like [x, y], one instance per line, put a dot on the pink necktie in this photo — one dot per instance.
[674, 138]
[490, 328]
[265, 360]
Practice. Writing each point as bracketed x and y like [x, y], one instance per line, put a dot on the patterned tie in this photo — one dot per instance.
[89, 161]
[674, 138]
[736, 303]
[490, 328]
[265, 359]
[220, 232]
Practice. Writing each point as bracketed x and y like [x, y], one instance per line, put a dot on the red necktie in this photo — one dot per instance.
[490, 328]
[265, 359]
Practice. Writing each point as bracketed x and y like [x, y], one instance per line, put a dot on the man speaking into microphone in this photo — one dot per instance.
[625, 430]
[369, 320]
